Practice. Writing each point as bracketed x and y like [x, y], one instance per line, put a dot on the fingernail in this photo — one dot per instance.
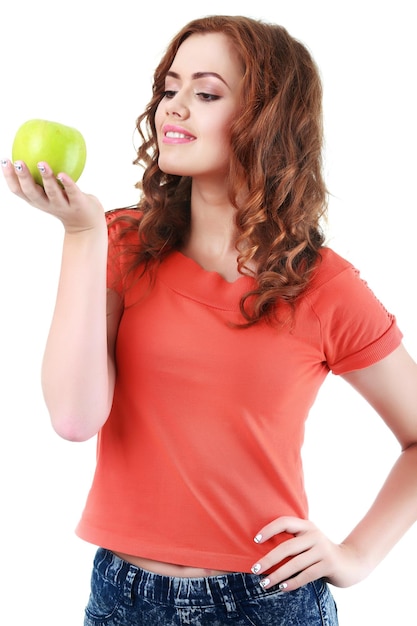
[4, 162]
[264, 582]
[18, 166]
[256, 568]
[41, 168]
[258, 538]
[282, 586]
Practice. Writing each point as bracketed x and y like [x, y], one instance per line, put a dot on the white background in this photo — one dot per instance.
[90, 65]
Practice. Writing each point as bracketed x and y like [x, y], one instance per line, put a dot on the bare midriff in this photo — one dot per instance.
[169, 569]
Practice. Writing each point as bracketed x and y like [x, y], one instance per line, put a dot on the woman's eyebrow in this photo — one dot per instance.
[198, 75]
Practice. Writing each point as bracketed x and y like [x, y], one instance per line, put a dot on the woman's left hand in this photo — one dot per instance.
[309, 555]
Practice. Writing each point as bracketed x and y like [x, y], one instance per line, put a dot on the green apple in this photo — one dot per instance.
[62, 147]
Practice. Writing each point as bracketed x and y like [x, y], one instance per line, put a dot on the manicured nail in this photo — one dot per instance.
[256, 568]
[4, 162]
[264, 582]
[258, 538]
[41, 168]
[18, 166]
[282, 586]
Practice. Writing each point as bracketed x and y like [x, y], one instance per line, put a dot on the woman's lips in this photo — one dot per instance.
[176, 134]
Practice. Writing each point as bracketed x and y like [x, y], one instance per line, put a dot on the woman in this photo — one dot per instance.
[223, 315]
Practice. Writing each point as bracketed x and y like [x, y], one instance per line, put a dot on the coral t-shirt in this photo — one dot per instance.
[203, 443]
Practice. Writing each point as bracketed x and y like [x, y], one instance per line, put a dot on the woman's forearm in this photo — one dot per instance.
[393, 512]
[77, 379]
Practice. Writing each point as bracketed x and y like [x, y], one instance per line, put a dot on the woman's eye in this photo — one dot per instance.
[169, 94]
[207, 97]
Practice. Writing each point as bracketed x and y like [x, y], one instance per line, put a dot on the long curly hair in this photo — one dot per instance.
[276, 155]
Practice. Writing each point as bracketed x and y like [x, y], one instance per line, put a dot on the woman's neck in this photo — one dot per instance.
[212, 225]
[212, 236]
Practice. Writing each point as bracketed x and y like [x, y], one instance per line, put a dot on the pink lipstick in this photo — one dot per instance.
[176, 134]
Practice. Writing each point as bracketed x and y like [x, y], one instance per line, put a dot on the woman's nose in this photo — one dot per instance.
[177, 107]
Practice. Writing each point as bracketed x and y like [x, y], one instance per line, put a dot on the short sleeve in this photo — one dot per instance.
[357, 330]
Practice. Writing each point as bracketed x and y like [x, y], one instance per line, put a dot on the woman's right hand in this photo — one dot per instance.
[62, 198]
[77, 372]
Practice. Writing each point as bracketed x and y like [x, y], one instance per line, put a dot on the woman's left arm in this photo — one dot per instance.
[390, 387]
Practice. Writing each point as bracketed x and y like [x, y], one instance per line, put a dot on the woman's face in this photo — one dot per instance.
[193, 119]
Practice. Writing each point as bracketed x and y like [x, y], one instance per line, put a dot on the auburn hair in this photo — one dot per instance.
[276, 155]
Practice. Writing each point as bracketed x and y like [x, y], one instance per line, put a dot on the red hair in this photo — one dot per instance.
[276, 154]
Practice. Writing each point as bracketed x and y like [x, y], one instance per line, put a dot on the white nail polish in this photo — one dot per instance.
[264, 582]
[256, 568]
[258, 538]
[282, 586]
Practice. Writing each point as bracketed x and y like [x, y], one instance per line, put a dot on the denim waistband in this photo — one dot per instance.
[205, 591]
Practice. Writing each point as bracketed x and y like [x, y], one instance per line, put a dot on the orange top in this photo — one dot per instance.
[202, 446]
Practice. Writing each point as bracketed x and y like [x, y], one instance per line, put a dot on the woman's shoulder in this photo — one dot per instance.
[123, 225]
[125, 215]
[337, 289]
[329, 266]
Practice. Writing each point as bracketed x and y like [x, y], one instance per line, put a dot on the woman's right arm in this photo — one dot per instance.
[78, 371]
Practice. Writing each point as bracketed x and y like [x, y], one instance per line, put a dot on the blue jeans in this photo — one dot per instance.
[125, 595]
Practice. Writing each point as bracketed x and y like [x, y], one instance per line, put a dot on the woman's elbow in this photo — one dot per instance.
[76, 429]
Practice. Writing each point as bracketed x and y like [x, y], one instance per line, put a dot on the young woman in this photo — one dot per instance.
[191, 334]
